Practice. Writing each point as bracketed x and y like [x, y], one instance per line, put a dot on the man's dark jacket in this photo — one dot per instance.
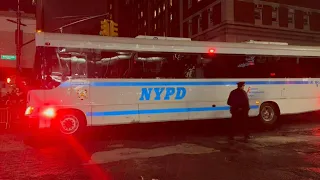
[238, 100]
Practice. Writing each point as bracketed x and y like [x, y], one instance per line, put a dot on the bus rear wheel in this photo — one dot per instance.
[269, 114]
[70, 122]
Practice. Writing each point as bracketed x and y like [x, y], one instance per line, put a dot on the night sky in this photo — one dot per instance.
[57, 14]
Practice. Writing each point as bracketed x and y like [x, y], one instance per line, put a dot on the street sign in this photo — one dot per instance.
[9, 57]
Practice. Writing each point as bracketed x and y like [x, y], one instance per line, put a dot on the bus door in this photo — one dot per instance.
[79, 89]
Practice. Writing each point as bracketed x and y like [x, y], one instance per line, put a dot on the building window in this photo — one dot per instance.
[210, 18]
[258, 13]
[275, 15]
[200, 23]
[110, 6]
[145, 23]
[199, 0]
[189, 4]
[155, 13]
[155, 26]
[306, 21]
[171, 17]
[190, 27]
[164, 7]
[141, 13]
[170, 2]
[291, 18]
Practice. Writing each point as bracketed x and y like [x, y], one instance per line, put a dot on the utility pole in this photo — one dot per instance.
[18, 42]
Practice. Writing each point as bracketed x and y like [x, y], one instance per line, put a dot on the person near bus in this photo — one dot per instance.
[239, 108]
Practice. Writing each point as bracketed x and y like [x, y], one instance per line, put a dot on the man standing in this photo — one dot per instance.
[239, 107]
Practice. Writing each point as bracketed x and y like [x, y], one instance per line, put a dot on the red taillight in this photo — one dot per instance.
[272, 74]
[49, 112]
[211, 51]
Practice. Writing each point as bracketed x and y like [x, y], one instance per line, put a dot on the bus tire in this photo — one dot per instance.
[269, 114]
[70, 122]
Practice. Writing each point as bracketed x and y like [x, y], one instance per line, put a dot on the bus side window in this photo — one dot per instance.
[310, 67]
[149, 65]
[111, 64]
[230, 66]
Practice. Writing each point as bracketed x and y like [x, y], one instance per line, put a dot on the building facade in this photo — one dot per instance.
[54, 14]
[7, 40]
[292, 21]
[153, 17]
[8, 27]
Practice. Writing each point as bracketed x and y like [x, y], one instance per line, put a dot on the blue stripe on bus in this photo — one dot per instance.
[162, 111]
[177, 83]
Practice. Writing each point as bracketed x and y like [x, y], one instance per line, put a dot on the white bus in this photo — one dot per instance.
[96, 81]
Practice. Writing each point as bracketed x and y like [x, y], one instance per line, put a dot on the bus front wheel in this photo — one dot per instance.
[70, 122]
[269, 114]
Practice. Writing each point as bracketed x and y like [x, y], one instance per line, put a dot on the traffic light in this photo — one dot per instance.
[109, 28]
[105, 28]
[113, 29]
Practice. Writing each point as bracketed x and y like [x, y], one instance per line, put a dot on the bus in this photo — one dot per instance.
[86, 80]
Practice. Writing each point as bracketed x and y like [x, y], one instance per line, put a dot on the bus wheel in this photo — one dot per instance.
[71, 123]
[269, 114]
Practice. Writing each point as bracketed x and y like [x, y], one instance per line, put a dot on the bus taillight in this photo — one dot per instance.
[49, 112]
[211, 51]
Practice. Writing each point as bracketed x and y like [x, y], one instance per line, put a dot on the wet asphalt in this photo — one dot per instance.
[167, 151]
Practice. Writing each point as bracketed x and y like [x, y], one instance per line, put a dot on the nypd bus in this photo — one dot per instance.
[88, 80]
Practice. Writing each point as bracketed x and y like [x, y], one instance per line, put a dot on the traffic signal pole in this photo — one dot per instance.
[18, 43]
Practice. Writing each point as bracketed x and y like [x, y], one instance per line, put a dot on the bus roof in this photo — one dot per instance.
[170, 45]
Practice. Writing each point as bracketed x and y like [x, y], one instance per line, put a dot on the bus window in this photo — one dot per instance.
[309, 67]
[114, 64]
[167, 65]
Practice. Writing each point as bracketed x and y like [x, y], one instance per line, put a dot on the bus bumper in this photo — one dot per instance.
[39, 123]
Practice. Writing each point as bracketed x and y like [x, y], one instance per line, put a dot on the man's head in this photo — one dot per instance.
[241, 85]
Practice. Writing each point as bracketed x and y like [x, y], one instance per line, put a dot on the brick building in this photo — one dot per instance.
[292, 21]
[153, 17]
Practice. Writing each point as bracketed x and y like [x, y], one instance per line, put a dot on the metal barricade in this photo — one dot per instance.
[5, 117]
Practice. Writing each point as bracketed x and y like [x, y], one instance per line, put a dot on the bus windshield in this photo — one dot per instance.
[56, 65]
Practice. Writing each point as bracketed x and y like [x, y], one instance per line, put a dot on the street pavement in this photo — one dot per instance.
[181, 151]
